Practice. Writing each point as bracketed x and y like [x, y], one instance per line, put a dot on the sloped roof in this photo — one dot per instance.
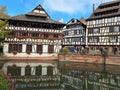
[38, 14]
[108, 9]
[39, 11]
[82, 20]
[74, 21]
[23, 17]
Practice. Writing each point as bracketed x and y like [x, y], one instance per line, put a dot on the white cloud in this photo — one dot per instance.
[71, 6]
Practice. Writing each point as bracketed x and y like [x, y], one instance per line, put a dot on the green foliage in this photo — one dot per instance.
[3, 82]
[64, 50]
[4, 33]
[3, 12]
[105, 53]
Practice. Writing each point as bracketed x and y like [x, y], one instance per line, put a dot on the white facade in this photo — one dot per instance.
[33, 53]
[32, 65]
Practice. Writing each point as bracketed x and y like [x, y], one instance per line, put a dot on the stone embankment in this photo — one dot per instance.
[114, 60]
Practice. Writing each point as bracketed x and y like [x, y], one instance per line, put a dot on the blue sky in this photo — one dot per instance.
[57, 9]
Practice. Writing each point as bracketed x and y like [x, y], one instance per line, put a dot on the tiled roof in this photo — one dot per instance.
[24, 17]
[108, 9]
[38, 14]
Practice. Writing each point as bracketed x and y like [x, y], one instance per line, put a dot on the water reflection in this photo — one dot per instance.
[71, 76]
[81, 76]
[37, 83]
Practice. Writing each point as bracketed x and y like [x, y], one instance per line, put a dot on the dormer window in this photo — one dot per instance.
[39, 11]
[36, 11]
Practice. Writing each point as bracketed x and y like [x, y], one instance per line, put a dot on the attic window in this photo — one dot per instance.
[42, 12]
[38, 11]
[109, 5]
[106, 12]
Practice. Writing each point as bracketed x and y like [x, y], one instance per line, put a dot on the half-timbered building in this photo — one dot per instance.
[34, 33]
[74, 34]
[103, 28]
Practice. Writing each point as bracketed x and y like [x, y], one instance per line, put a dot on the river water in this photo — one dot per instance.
[73, 76]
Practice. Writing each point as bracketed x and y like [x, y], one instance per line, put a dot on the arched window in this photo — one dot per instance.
[49, 70]
[14, 70]
[9, 70]
[38, 70]
[27, 70]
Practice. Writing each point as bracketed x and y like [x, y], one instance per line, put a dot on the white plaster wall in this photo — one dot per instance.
[23, 47]
[45, 48]
[29, 55]
[34, 47]
[22, 71]
[44, 70]
[33, 54]
[55, 71]
[33, 69]
[57, 48]
[5, 48]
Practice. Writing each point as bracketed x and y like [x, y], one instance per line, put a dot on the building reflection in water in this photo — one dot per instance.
[81, 76]
[68, 76]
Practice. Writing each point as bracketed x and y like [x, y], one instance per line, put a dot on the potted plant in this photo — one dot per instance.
[28, 52]
[40, 52]
[20, 37]
[51, 37]
[14, 52]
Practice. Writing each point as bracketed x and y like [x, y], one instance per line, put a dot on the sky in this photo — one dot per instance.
[57, 9]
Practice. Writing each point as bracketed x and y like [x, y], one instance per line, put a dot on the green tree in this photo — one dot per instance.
[3, 33]
[3, 24]
[3, 82]
[64, 51]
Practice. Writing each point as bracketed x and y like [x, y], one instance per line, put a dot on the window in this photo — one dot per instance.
[29, 48]
[39, 49]
[96, 22]
[15, 47]
[50, 48]
[38, 70]
[109, 19]
[91, 22]
[35, 34]
[55, 35]
[93, 39]
[116, 29]
[90, 31]
[96, 30]
[46, 35]
[111, 29]
[113, 39]
[100, 21]
[75, 32]
[118, 18]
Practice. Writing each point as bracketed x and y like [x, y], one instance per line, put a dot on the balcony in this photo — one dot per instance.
[38, 40]
[33, 29]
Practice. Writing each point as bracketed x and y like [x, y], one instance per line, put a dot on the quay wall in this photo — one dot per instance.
[114, 60]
